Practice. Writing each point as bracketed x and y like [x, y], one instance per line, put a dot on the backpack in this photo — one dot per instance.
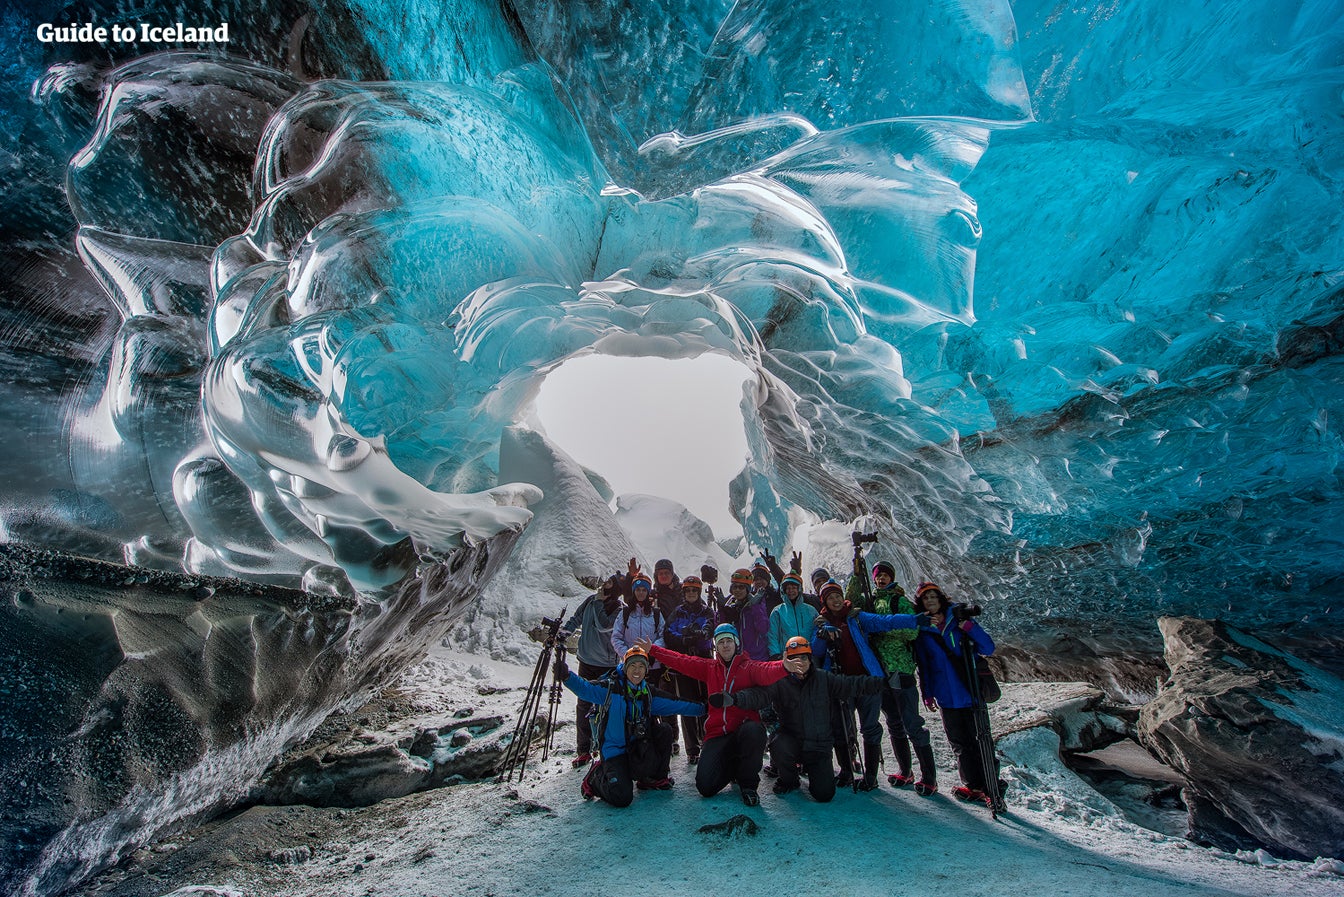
[657, 617]
[989, 686]
[600, 714]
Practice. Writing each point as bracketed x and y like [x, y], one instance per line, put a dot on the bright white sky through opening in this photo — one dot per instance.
[654, 425]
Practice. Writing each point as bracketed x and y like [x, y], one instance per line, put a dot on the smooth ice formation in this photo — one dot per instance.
[1052, 295]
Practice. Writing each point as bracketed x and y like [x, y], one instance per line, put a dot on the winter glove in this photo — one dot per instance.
[966, 625]
[830, 633]
[921, 620]
[930, 703]
[796, 562]
[561, 669]
[721, 699]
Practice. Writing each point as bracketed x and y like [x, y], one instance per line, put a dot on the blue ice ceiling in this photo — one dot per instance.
[1053, 292]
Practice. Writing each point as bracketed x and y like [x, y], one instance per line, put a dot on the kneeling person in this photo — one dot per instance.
[734, 736]
[803, 701]
[635, 747]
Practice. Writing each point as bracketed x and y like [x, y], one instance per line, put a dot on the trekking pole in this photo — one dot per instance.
[983, 736]
[557, 693]
[847, 724]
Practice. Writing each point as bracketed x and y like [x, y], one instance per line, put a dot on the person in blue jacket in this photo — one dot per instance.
[635, 747]
[938, 652]
[842, 643]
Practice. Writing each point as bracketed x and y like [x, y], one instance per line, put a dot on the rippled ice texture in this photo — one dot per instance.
[333, 293]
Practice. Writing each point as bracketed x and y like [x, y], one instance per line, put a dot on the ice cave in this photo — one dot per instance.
[1047, 295]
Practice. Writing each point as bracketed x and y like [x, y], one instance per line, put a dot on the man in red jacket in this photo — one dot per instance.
[734, 745]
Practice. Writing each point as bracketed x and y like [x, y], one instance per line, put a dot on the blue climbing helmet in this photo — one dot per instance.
[727, 629]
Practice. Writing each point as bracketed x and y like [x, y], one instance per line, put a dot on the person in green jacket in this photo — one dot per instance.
[900, 699]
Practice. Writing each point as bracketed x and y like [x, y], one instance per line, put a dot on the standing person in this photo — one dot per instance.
[593, 620]
[938, 652]
[666, 588]
[761, 589]
[749, 614]
[795, 615]
[688, 632]
[803, 701]
[734, 737]
[640, 618]
[895, 650]
[667, 598]
[635, 747]
[843, 635]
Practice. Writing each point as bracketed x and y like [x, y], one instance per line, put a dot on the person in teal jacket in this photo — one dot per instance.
[795, 615]
[635, 747]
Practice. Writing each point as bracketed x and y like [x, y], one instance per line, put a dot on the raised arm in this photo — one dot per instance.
[695, 667]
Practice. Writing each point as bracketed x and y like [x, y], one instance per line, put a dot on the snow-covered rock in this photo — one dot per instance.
[662, 528]
[572, 542]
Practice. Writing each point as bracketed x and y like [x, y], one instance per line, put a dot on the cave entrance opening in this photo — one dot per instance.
[672, 428]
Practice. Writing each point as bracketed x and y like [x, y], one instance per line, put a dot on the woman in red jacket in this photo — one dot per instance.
[734, 745]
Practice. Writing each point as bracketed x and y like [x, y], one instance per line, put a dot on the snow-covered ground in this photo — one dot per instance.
[539, 837]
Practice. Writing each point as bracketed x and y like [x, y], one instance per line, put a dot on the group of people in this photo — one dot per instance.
[770, 665]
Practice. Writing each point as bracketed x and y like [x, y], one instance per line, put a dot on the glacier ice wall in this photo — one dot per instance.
[1052, 293]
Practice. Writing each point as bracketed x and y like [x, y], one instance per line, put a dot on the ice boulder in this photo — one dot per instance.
[1259, 735]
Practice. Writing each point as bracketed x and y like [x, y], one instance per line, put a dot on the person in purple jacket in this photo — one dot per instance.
[938, 652]
[750, 613]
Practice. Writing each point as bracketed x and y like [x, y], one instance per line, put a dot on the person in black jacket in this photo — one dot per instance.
[688, 632]
[802, 699]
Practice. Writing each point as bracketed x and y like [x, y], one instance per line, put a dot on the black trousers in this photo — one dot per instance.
[959, 724]
[583, 725]
[614, 779]
[786, 752]
[662, 679]
[735, 757]
[692, 727]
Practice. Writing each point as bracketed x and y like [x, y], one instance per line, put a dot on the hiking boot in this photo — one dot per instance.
[692, 759]
[581, 761]
[782, 788]
[676, 748]
[586, 789]
[845, 779]
[872, 756]
[926, 789]
[750, 797]
[663, 784]
[970, 795]
[900, 780]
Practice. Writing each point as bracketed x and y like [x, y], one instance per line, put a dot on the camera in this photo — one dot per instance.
[709, 574]
[963, 612]
[860, 538]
